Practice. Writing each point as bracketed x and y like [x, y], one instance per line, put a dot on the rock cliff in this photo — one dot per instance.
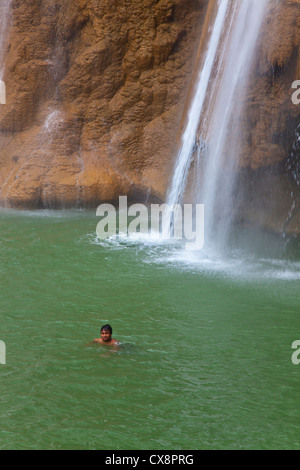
[95, 96]
[95, 91]
[270, 160]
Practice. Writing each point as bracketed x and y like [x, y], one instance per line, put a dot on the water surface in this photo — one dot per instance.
[205, 360]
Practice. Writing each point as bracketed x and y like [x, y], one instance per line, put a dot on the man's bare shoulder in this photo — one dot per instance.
[112, 342]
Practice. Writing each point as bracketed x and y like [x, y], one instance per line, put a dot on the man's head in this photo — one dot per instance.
[106, 332]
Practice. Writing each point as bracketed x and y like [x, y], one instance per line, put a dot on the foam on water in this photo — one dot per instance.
[238, 264]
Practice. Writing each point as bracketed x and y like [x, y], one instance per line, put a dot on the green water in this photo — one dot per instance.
[205, 360]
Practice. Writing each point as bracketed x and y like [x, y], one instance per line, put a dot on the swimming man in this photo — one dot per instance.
[106, 332]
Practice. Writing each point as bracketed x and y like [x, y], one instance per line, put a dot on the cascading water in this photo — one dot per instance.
[180, 175]
[215, 114]
[4, 16]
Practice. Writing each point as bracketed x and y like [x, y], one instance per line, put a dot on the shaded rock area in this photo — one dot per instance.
[269, 183]
[95, 96]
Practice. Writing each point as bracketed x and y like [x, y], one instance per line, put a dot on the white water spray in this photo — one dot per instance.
[215, 115]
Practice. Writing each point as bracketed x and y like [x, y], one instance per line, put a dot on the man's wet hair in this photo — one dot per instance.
[106, 327]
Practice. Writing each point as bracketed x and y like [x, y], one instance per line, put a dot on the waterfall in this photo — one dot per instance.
[215, 114]
[4, 15]
[178, 184]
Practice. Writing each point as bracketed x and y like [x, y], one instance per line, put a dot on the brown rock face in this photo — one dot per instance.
[95, 96]
[95, 92]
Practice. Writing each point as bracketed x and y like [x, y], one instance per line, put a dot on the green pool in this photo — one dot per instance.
[205, 355]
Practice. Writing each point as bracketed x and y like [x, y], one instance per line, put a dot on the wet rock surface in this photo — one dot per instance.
[96, 93]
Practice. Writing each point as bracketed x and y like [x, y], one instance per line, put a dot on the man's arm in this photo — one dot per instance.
[96, 340]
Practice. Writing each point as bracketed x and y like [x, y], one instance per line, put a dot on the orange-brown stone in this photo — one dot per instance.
[96, 93]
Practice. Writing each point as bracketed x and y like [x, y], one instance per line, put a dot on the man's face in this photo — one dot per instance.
[105, 336]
